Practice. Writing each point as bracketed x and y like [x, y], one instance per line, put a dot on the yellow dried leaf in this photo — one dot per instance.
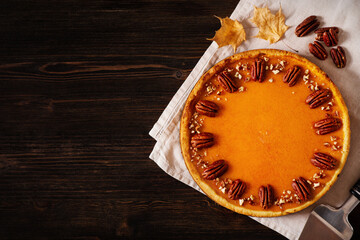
[271, 27]
[231, 33]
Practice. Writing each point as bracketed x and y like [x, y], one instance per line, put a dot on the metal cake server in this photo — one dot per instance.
[328, 223]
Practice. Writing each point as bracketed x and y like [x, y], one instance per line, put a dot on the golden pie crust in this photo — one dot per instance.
[247, 163]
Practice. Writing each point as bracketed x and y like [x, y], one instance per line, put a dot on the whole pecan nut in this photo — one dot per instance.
[258, 70]
[306, 26]
[207, 108]
[338, 56]
[266, 196]
[301, 188]
[323, 161]
[318, 97]
[215, 170]
[292, 76]
[318, 50]
[237, 189]
[320, 31]
[327, 125]
[226, 82]
[202, 140]
[330, 38]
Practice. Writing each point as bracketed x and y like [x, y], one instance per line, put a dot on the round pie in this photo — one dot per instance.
[265, 133]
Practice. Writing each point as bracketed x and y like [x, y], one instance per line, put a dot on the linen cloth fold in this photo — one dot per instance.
[340, 13]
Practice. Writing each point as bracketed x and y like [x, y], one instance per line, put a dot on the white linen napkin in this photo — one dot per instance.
[343, 14]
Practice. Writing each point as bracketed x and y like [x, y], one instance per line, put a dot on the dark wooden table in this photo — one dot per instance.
[82, 83]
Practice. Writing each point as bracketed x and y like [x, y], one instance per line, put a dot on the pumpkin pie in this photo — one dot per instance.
[265, 133]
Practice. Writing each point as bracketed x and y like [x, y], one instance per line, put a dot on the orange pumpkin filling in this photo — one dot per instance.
[265, 133]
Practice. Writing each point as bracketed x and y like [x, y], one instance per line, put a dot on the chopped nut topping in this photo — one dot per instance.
[307, 71]
[222, 189]
[271, 67]
[267, 68]
[326, 144]
[238, 75]
[244, 66]
[266, 59]
[275, 71]
[241, 201]
[271, 80]
[230, 70]
[333, 138]
[306, 77]
[316, 185]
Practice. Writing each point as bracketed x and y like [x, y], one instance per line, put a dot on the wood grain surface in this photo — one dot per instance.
[82, 83]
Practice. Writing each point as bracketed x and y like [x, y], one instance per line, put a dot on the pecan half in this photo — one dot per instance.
[323, 161]
[327, 125]
[202, 140]
[320, 31]
[266, 196]
[338, 56]
[330, 38]
[318, 97]
[215, 170]
[258, 70]
[226, 82]
[207, 108]
[306, 26]
[237, 188]
[292, 76]
[301, 188]
[317, 50]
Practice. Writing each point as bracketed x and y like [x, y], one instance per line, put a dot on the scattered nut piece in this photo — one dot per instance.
[275, 71]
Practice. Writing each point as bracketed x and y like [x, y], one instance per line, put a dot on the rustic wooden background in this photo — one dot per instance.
[82, 83]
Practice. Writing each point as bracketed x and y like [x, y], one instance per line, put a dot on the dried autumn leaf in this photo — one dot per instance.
[231, 33]
[271, 27]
